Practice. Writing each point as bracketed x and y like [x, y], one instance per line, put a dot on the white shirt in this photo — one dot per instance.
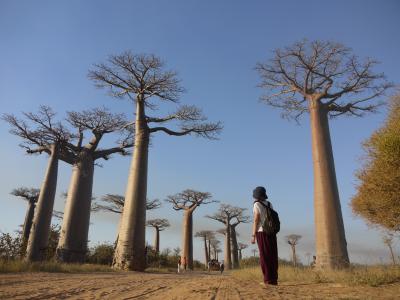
[258, 207]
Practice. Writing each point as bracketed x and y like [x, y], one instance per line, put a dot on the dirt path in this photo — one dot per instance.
[172, 286]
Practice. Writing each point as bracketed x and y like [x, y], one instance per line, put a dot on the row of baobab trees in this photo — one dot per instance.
[322, 78]
[187, 201]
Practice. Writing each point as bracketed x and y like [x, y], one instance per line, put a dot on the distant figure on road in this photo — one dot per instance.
[265, 226]
[222, 267]
[313, 263]
[179, 266]
[184, 263]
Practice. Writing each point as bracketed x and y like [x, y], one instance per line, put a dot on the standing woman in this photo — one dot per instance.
[267, 245]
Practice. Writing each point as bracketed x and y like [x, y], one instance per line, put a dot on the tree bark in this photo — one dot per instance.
[28, 221]
[209, 249]
[227, 258]
[40, 230]
[187, 235]
[130, 250]
[331, 246]
[72, 246]
[207, 259]
[240, 254]
[294, 258]
[157, 241]
[235, 254]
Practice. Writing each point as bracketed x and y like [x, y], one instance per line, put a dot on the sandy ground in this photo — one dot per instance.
[195, 285]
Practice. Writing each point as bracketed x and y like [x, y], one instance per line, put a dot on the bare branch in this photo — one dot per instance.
[189, 199]
[158, 224]
[29, 194]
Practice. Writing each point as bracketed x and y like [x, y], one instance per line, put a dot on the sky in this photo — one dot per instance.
[47, 48]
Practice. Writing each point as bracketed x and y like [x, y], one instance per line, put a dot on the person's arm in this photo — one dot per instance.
[255, 225]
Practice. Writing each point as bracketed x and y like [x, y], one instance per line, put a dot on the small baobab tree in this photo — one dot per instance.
[325, 80]
[205, 235]
[158, 225]
[31, 195]
[143, 79]
[188, 201]
[215, 247]
[388, 241]
[99, 122]
[241, 246]
[41, 133]
[225, 214]
[293, 240]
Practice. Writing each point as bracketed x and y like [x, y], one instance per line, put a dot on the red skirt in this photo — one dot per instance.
[268, 249]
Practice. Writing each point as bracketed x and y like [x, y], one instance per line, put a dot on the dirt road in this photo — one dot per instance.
[172, 286]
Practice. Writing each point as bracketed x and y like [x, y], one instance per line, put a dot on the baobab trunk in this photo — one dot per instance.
[130, 250]
[209, 249]
[187, 235]
[235, 256]
[331, 246]
[240, 254]
[227, 256]
[206, 251]
[157, 242]
[28, 221]
[72, 245]
[294, 258]
[392, 254]
[40, 230]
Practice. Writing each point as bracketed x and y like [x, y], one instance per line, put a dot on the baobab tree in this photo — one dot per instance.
[31, 195]
[241, 246]
[115, 203]
[240, 218]
[143, 79]
[293, 240]
[99, 122]
[388, 241]
[205, 235]
[215, 247]
[158, 225]
[188, 201]
[225, 214]
[41, 133]
[325, 80]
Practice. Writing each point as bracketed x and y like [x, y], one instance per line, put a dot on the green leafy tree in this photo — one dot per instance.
[378, 192]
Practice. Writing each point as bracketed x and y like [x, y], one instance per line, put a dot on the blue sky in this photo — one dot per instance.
[47, 48]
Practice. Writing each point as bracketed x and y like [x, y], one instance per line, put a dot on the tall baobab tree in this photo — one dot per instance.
[293, 240]
[99, 122]
[215, 247]
[205, 235]
[143, 79]
[325, 80]
[225, 214]
[158, 225]
[31, 195]
[388, 241]
[241, 246]
[41, 133]
[240, 218]
[188, 201]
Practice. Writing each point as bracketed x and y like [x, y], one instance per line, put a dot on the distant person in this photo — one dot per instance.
[265, 227]
[222, 267]
[314, 262]
[209, 266]
[179, 266]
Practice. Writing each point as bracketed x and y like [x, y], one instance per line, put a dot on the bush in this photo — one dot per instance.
[101, 254]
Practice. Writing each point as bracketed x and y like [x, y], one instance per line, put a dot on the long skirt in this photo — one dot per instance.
[268, 249]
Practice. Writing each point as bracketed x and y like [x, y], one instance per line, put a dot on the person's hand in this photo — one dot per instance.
[253, 239]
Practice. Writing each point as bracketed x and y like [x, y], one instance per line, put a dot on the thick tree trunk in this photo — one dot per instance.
[209, 249]
[28, 221]
[40, 230]
[235, 256]
[130, 250]
[187, 235]
[294, 258]
[227, 256]
[157, 241]
[72, 246]
[240, 254]
[207, 259]
[331, 246]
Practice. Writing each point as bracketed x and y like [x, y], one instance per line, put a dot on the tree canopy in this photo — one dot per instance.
[378, 191]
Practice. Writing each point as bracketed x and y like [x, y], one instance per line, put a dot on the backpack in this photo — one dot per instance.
[271, 224]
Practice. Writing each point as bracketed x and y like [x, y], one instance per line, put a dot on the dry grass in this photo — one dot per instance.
[13, 266]
[368, 275]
